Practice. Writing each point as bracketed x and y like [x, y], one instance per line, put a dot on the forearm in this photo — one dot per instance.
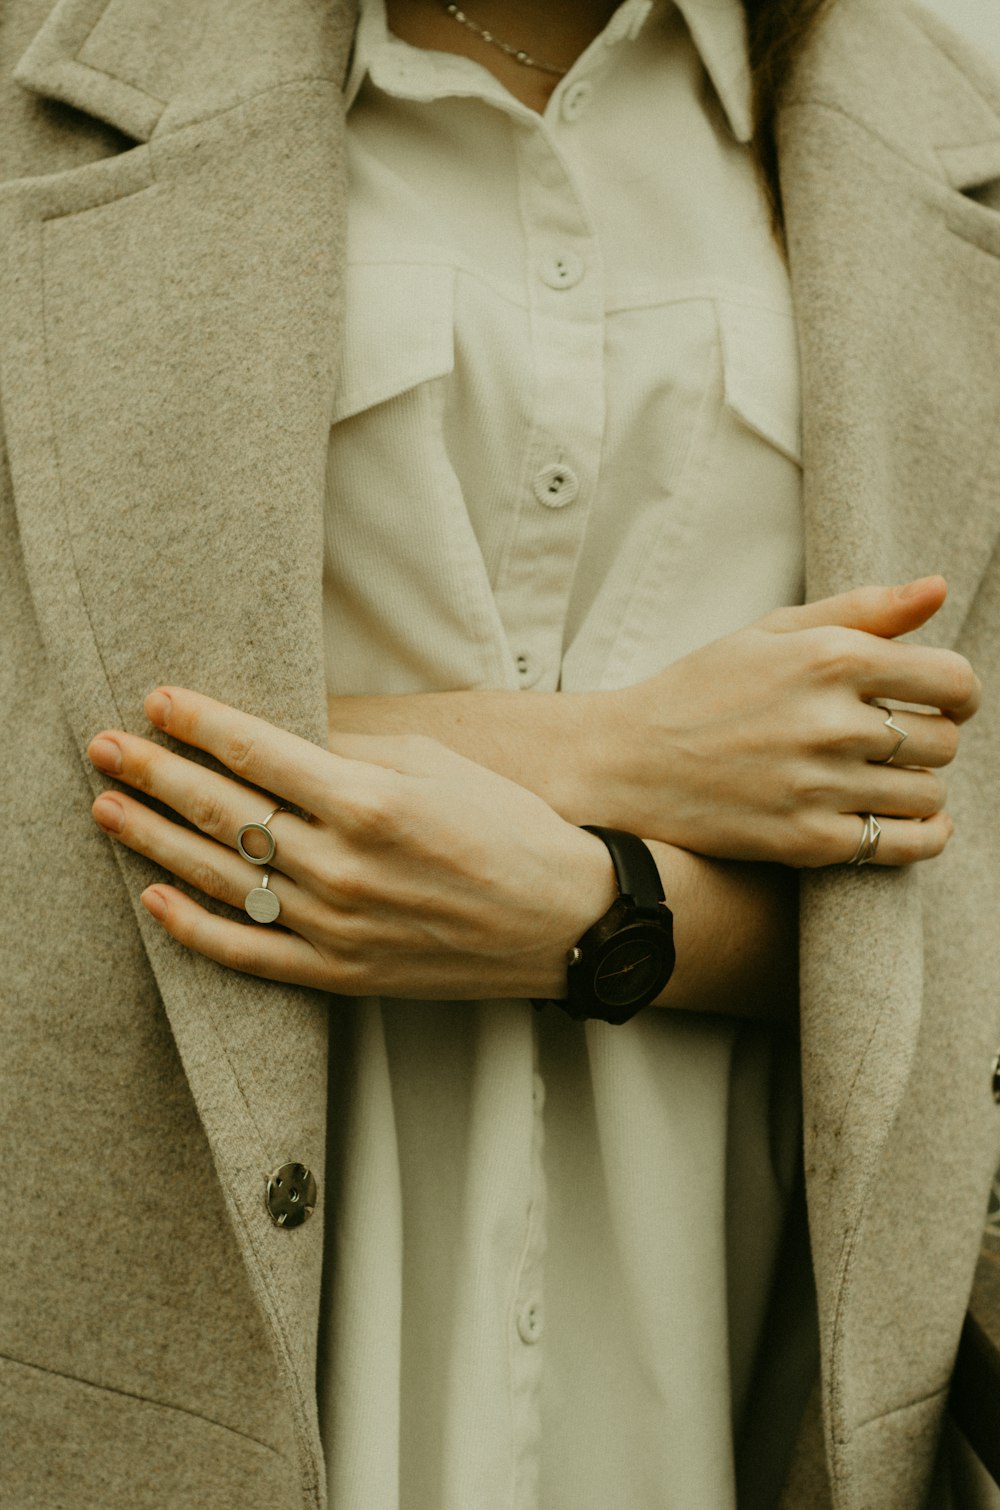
[764, 745]
[548, 742]
[736, 936]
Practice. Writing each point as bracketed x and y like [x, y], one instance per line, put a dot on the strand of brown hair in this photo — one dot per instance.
[776, 33]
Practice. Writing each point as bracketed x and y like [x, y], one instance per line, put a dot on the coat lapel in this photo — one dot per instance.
[897, 288]
[169, 326]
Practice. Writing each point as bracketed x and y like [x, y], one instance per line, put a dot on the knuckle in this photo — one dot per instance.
[949, 740]
[240, 755]
[347, 970]
[206, 877]
[809, 844]
[142, 771]
[247, 955]
[837, 652]
[962, 679]
[922, 840]
[207, 814]
[350, 977]
[343, 882]
[372, 812]
[831, 731]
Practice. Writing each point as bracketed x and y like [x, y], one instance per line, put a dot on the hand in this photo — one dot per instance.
[764, 745]
[421, 876]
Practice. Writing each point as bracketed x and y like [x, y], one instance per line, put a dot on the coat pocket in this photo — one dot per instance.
[81, 1445]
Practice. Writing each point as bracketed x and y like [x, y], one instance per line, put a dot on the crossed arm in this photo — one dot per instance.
[451, 866]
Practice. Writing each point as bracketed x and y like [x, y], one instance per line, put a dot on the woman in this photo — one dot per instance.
[172, 303]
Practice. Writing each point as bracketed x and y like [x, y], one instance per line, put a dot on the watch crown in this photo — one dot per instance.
[574, 956]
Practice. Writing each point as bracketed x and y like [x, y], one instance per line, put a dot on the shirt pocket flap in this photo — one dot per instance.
[398, 332]
[760, 359]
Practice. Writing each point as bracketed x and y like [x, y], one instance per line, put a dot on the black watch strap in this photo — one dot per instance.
[635, 868]
[626, 957]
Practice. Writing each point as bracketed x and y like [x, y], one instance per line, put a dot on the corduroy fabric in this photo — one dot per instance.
[170, 238]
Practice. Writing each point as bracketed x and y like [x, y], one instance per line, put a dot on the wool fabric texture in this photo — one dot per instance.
[171, 225]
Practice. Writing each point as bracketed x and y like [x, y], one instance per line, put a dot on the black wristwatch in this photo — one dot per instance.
[625, 959]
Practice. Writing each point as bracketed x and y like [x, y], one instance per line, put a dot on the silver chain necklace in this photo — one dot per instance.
[517, 53]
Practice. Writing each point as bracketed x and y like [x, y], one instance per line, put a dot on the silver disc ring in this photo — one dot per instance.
[259, 828]
[901, 737]
[261, 903]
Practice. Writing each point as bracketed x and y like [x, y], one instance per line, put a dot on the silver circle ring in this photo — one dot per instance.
[259, 828]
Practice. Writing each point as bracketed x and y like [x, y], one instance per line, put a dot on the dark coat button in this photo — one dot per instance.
[291, 1195]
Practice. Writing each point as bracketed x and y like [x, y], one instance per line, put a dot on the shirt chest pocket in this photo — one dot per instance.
[760, 368]
[724, 542]
[407, 602]
[398, 334]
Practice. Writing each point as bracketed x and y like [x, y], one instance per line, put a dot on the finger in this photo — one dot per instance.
[258, 752]
[883, 611]
[239, 946]
[918, 674]
[895, 793]
[902, 841]
[209, 867]
[214, 804]
[931, 740]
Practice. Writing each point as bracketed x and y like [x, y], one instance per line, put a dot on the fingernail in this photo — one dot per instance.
[106, 755]
[109, 813]
[158, 709]
[915, 588]
[153, 902]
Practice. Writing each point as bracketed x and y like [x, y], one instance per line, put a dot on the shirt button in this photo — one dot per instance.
[555, 486]
[529, 1322]
[562, 270]
[575, 100]
[291, 1195]
[529, 668]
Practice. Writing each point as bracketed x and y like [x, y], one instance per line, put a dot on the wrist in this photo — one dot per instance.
[588, 888]
[595, 781]
[625, 958]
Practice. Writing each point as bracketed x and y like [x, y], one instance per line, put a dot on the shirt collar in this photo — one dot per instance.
[717, 27]
[719, 31]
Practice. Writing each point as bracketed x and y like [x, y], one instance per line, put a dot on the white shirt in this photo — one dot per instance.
[565, 453]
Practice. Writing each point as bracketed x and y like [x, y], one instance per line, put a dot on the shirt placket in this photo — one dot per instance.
[558, 475]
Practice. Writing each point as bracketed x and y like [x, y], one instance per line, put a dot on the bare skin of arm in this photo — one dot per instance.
[763, 746]
[420, 874]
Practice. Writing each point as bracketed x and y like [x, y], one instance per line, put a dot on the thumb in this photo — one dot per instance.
[885, 611]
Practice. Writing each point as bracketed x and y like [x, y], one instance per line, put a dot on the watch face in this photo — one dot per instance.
[631, 968]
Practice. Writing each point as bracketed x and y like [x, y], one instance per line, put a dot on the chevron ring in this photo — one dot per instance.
[902, 737]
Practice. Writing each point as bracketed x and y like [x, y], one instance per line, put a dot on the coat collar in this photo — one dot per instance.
[143, 67]
[198, 452]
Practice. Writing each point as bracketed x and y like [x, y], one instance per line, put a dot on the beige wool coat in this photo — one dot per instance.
[171, 226]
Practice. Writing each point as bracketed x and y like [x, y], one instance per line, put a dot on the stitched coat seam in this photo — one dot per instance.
[129, 1394]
